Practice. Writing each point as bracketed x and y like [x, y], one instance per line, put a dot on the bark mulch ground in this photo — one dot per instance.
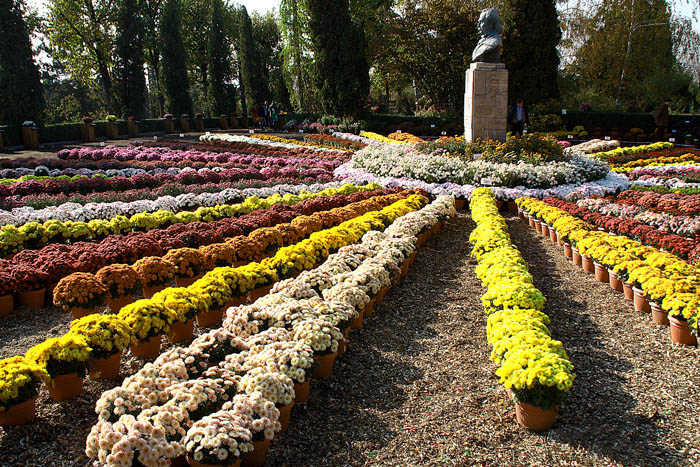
[417, 388]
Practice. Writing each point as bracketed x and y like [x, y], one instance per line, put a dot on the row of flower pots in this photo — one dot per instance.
[679, 329]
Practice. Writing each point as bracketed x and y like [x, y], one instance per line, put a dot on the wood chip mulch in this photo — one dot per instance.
[416, 386]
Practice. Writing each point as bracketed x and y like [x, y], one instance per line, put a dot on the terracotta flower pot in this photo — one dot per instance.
[181, 332]
[521, 214]
[641, 303]
[32, 298]
[63, 387]
[531, 222]
[460, 204]
[148, 349]
[194, 463]
[568, 251]
[544, 229]
[552, 235]
[186, 281]
[19, 414]
[210, 319]
[105, 368]
[301, 391]
[534, 418]
[150, 290]
[7, 305]
[78, 311]
[615, 283]
[285, 415]
[381, 294]
[325, 365]
[369, 309]
[412, 259]
[117, 303]
[680, 332]
[601, 273]
[404, 267]
[342, 344]
[538, 227]
[235, 302]
[578, 261]
[258, 456]
[658, 315]
[357, 322]
[627, 289]
[560, 240]
[587, 264]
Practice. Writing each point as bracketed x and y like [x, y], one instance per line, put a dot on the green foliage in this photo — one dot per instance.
[544, 397]
[296, 53]
[174, 61]
[341, 73]
[21, 94]
[531, 35]
[256, 91]
[81, 36]
[219, 65]
[66, 110]
[266, 35]
[196, 17]
[130, 60]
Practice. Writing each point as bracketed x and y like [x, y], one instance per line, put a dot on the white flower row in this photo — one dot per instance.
[186, 201]
[611, 184]
[149, 414]
[213, 138]
[358, 139]
[401, 161]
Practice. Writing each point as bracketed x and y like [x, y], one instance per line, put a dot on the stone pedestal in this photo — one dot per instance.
[486, 101]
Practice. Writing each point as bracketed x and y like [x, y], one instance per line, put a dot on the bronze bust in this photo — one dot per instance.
[488, 49]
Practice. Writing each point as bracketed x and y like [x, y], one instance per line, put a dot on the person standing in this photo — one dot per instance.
[261, 115]
[274, 119]
[518, 117]
[661, 119]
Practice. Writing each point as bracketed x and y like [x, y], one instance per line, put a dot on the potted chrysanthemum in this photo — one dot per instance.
[156, 274]
[262, 419]
[65, 360]
[186, 305]
[323, 338]
[81, 293]
[148, 321]
[274, 386]
[19, 386]
[122, 281]
[218, 439]
[107, 336]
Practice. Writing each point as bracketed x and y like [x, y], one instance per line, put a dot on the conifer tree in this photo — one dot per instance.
[219, 65]
[130, 60]
[21, 92]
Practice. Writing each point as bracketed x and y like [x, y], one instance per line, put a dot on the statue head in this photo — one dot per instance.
[489, 22]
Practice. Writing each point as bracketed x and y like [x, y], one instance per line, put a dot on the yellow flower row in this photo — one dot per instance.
[297, 142]
[664, 278]
[686, 159]
[406, 137]
[380, 138]
[633, 150]
[14, 239]
[531, 364]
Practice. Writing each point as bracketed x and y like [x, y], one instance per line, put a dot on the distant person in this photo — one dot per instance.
[518, 117]
[261, 116]
[661, 119]
[267, 123]
[274, 118]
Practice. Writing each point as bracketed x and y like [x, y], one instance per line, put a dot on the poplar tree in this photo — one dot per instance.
[174, 61]
[219, 65]
[130, 60]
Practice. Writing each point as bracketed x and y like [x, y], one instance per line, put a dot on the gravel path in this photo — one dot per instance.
[416, 386]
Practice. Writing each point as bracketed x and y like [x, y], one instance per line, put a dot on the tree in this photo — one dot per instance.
[341, 73]
[296, 53]
[268, 42]
[196, 16]
[174, 61]
[130, 60]
[218, 52]
[81, 35]
[21, 93]
[531, 34]
[151, 17]
[254, 82]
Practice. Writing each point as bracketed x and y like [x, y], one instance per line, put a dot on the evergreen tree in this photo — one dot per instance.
[130, 59]
[21, 93]
[219, 65]
[341, 72]
[531, 34]
[251, 69]
[174, 61]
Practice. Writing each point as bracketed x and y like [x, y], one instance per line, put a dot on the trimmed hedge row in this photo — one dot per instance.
[625, 121]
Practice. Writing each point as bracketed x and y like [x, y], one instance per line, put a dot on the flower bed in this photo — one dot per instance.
[267, 368]
[660, 277]
[52, 264]
[33, 235]
[532, 365]
[619, 154]
[275, 143]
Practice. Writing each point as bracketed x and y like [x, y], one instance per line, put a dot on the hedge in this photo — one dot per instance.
[625, 121]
